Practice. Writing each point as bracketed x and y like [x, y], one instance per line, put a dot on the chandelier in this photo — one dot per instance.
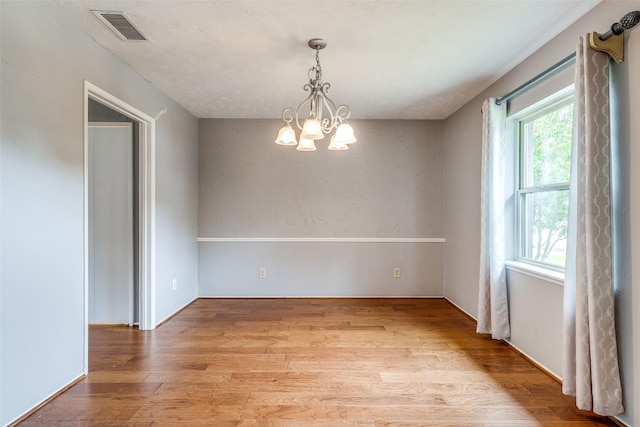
[323, 116]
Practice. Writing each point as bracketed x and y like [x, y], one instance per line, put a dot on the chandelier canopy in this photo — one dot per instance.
[323, 116]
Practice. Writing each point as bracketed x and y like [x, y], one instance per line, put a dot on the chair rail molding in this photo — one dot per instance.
[323, 239]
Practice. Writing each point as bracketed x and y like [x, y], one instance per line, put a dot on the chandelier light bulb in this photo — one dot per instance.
[306, 145]
[312, 129]
[286, 136]
[335, 144]
[344, 134]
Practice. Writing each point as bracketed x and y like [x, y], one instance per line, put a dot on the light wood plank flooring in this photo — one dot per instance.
[310, 362]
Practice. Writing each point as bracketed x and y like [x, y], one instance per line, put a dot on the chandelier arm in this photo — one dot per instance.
[297, 110]
[288, 115]
[328, 123]
[329, 102]
[343, 112]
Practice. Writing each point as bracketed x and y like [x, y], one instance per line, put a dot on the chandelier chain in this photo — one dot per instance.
[318, 66]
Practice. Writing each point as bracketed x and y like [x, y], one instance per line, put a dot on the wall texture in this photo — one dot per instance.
[386, 186]
[42, 309]
[535, 304]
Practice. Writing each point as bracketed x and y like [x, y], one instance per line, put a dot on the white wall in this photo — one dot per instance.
[44, 62]
[532, 330]
[536, 325]
[386, 186]
[628, 317]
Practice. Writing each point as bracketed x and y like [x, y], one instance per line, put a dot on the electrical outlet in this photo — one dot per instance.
[396, 272]
[175, 284]
[262, 273]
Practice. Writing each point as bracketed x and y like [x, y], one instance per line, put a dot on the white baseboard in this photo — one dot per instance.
[46, 400]
[177, 311]
[320, 297]
[461, 309]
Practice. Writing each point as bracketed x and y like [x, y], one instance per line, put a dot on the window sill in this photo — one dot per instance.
[545, 274]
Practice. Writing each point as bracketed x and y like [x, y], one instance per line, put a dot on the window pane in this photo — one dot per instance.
[544, 226]
[547, 148]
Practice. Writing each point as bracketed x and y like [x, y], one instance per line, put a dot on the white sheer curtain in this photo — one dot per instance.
[590, 360]
[493, 309]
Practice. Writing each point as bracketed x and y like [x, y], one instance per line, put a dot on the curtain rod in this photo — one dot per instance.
[614, 48]
[538, 79]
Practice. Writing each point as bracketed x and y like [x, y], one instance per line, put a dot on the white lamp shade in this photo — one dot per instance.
[336, 145]
[311, 129]
[286, 136]
[306, 145]
[344, 134]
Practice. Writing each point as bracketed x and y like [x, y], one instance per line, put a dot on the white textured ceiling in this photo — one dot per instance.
[385, 59]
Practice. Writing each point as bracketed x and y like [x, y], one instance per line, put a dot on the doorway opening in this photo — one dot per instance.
[143, 127]
[114, 296]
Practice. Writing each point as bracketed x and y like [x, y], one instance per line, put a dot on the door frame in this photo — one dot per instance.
[146, 125]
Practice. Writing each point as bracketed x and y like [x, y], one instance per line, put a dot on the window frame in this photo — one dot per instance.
[517, 123]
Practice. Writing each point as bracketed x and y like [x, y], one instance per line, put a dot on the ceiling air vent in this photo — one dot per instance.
[120, 24]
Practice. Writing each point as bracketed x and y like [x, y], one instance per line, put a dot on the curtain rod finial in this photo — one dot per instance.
[613, 45]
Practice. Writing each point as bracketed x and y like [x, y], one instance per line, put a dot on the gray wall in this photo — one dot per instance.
[42, 319]
[536, 304]
[387, 185]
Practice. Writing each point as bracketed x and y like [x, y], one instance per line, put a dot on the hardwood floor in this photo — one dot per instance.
[310, 362]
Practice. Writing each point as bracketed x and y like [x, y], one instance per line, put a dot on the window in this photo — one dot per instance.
[544, 134]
